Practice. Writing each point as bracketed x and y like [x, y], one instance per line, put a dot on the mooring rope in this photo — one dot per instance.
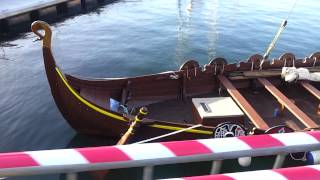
[169, 134]
[276, 37]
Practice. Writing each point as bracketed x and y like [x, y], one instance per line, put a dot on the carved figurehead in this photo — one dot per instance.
[37, 26]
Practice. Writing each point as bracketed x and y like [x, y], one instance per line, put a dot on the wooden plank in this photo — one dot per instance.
[26, 9]
[263, 73]
[243, 104]
[314, 91]
[306, 120]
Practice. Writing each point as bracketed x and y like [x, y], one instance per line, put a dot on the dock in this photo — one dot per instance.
[16, 15]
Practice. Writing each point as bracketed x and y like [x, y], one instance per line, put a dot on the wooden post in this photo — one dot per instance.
[4, 26]
[34, 15]
[62, 8]
[100, 2]
[83, 5]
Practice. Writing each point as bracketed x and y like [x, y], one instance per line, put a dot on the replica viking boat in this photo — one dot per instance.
[218, 100]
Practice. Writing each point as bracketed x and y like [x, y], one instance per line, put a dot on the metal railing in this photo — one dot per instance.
[148, 155]
[302, 172]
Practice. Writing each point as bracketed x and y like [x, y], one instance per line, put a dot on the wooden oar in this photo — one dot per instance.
[137, 119]
[100, 175]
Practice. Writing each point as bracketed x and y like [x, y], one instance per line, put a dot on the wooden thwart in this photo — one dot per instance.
[314, 91]
[306, 120]
[243, 104]
[238, 75]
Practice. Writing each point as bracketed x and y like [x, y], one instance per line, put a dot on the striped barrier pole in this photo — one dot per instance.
[152, 154]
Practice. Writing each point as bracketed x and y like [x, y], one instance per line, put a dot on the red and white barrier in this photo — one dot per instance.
[295, 173]
[138, 155]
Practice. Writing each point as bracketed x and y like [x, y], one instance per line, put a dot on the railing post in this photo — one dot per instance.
[83, 4]
[62, 8]
[4, 26]
[72, 176]
[148, 173]
[216, 167]
[278, 163]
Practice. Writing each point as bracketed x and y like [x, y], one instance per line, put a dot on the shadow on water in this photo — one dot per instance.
[17, 31]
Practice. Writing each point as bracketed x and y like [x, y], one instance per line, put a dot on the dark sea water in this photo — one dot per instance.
[137, 37]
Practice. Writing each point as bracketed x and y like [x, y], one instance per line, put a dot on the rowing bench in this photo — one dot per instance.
[306, 120]
[314, 91]
[255, 118]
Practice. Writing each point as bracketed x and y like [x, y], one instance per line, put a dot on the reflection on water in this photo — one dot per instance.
[3, 55]
[213, 34]
[184, 16]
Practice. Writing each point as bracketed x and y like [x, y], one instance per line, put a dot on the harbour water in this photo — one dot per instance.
[136, 37]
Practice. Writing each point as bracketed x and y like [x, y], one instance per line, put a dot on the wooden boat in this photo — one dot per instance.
[268, 104]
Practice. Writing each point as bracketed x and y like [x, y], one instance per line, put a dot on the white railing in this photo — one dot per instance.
[295, 173]
[148, 155]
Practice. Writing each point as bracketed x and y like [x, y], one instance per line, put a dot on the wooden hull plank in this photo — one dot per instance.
[314, 91]
[243, 104]
[306, 120]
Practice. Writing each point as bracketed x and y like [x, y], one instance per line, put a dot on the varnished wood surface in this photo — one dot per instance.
[265, 104]
[256, 119]
[306, 120]
[314, 91]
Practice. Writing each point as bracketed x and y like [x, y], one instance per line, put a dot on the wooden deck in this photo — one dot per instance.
[255, 118]
[305, 119]
[314, 91]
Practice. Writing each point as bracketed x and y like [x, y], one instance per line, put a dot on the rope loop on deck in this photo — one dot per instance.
[314, 61]
[255, 61]
[289, 59]
[315, 57]
[192, 66]
[219, 65]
